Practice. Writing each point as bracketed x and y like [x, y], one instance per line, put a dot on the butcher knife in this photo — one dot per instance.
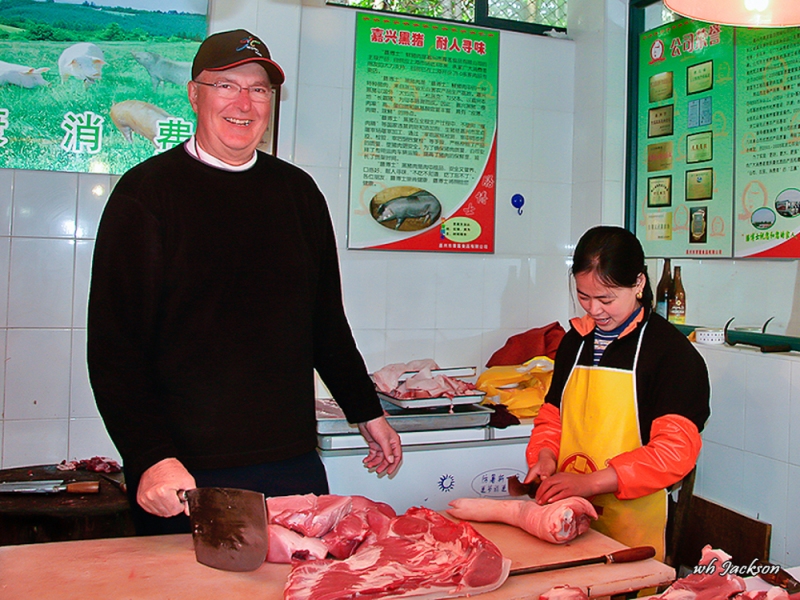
[620, 556]
[50, 486]
[778, 577]
[229, 527]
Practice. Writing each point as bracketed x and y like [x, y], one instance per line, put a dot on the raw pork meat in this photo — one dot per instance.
[285, 544]
[564, 592]
[422, 554]
[707, 583]
[387, 378]
[339, 523]
[774, 593]
[557, 523]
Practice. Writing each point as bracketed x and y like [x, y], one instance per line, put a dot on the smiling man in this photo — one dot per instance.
[215, 296]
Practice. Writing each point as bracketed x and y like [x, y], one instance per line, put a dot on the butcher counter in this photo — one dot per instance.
[143, 568]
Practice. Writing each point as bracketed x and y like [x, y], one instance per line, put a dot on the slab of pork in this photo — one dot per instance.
[422, 555]
[557, 522]
[564, 592]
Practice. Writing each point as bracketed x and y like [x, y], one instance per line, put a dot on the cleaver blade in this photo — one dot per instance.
[229, 527]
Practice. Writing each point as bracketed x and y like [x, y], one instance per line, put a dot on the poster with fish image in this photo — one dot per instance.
[95, 86]
[423, 146]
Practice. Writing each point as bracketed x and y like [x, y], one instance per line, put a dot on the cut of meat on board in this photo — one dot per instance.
[285, 544]
[707, 583]
[557, 522]
[309, 514]
[564, 592]
[422, 555]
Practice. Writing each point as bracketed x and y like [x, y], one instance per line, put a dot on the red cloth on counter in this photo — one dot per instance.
[519, 348]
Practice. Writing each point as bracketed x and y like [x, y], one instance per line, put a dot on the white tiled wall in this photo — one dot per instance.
[750, 460]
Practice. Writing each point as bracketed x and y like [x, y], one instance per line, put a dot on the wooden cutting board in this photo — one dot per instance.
[164, 567]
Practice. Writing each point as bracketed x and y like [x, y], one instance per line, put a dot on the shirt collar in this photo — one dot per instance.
[197, 152]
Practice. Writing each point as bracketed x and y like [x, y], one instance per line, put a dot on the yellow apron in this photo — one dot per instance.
[599, 420]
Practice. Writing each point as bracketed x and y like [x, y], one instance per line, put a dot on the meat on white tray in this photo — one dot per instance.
[558, 522]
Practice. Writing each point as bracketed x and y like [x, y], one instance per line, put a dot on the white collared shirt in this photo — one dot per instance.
[197, 152]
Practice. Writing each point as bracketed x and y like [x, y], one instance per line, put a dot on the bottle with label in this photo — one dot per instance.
[677, 300]
[663, 289]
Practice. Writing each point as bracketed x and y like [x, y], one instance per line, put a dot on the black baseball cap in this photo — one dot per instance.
[229, 49]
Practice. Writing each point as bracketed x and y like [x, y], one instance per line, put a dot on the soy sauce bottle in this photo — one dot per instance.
[663, 289]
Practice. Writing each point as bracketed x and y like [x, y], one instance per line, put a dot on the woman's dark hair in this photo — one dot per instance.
[615, 255]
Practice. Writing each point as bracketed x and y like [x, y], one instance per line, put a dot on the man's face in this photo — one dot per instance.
[230, 129]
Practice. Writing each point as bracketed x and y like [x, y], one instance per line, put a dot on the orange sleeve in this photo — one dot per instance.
[546, 433]
[669, 456]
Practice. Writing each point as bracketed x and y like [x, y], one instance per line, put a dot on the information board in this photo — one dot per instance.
[422, 171]
[685, 140]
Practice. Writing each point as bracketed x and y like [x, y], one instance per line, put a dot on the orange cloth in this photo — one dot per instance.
[546, 433]
[520, 348]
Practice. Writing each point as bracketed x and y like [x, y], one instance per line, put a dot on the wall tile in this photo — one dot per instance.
[40, 286]
[37, 374]
[93, 192]
[458, 348]
[81, 398]
[515, 142]
[5, 260]
[512, 231]
[761, 474]
[6, 200]
[45, 204]
[318, 128]
[767, 405]
[721, 476]
[411, 293]
[794, 417]
[89, 438]
[322, 30]
[459, 301]
[793, 518]
[552, 146]
[405, 345]
[36, 442]
[726, 370]
[506, 288]
[550, 296]
[83, 275]
[364, 284]
[372, 345]
[549, 207]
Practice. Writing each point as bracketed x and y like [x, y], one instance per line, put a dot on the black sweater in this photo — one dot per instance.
[214, 296]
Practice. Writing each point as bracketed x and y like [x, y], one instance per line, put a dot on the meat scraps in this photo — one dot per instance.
[557, 522]
[564, 592]
[97, 464]
[423, 384]
[708, 581]
[421, 554]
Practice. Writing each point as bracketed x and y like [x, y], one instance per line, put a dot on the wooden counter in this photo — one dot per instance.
[165, 567]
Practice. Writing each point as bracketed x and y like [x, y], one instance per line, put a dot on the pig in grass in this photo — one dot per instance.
[163, 69]
[135, 116]
[25, 77]
[419, 205]
[83, 61]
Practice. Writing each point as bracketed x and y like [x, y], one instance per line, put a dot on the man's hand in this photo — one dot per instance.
[385, 451]
[159, 485]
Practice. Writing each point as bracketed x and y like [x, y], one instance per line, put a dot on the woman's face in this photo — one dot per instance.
[609, 306]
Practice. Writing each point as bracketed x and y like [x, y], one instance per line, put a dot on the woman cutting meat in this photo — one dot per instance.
[628, 399]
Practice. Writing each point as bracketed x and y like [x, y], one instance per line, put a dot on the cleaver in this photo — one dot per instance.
[229, 527]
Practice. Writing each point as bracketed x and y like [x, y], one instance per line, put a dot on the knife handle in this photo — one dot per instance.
[631, 554]
[83, 487]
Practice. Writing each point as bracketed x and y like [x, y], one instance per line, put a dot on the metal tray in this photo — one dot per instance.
[439, 401]
[331, 419]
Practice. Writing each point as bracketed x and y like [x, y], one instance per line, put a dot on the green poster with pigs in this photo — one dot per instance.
[95, 86]
[423, 146]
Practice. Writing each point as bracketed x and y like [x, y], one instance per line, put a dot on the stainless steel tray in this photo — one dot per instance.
[439, 401]
[331, 419]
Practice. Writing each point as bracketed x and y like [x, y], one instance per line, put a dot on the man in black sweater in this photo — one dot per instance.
[215, 295]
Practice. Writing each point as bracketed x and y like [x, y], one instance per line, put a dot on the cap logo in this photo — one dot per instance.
[249, 43]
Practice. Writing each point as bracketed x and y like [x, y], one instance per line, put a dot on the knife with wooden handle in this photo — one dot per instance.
[620, 556]
[50, 486]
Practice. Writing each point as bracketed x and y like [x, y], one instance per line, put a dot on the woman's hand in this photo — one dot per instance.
[564, 485]
[543, 468]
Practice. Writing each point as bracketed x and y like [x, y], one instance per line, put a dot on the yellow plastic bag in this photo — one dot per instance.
[521, 388]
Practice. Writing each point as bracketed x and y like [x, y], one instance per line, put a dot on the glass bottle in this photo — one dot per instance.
[677, 300]
[663, 289]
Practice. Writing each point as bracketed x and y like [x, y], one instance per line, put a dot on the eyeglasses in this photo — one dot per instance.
[230, 91]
